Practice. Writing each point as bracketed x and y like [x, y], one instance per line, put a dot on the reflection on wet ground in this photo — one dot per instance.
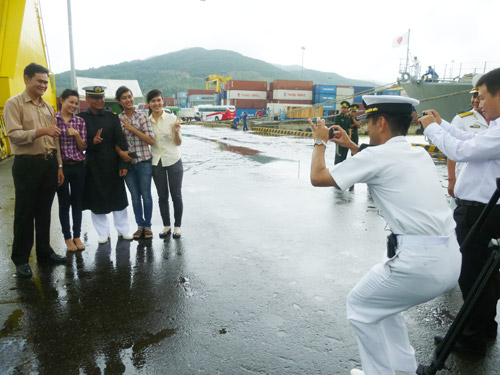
[257, 283]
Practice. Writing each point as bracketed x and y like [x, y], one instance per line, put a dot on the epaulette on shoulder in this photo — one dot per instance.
[465, 114]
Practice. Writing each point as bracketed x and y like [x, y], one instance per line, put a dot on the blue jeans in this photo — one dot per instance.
[138, 181]
[164, 178]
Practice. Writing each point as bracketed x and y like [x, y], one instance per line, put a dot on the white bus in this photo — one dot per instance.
[215, 112]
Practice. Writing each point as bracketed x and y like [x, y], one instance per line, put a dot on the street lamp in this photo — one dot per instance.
[302, 48]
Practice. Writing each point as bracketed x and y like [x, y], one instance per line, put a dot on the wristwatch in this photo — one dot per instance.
[319, 142]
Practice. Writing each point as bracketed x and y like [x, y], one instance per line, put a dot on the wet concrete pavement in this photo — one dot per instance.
[256, 285]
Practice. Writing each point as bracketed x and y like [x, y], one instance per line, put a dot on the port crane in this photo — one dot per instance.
[215, 81]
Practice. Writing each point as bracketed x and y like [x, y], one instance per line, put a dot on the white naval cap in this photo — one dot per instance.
[389, 104]
[475, 79]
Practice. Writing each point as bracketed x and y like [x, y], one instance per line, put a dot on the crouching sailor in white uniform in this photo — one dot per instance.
[423, 260]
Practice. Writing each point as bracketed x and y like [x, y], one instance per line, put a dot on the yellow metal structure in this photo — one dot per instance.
[214, 82]
[21, 43]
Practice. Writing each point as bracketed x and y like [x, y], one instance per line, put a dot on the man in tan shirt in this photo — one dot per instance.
[37, 169]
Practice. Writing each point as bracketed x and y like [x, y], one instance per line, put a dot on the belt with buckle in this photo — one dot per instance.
[49, 156]
[463, 202]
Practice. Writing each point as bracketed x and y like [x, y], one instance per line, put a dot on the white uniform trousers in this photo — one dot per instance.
[417, 274]
[101, 222]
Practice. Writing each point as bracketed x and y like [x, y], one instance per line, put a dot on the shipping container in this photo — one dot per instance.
[244, 94]
[283, 84]
[325, 89]
[345, 93]
[320, 98]
[252, 112]
[198, 98]
[223, 94]
[200, 92]
[247, 85]
[292, 102]
[181, 95]
[359, 91]
[168, 102]
[279, 94]
[248, 103]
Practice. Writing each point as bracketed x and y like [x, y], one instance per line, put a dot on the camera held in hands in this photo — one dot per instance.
[331, 133]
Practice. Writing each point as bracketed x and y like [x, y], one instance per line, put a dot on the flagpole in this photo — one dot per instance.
[407, 51]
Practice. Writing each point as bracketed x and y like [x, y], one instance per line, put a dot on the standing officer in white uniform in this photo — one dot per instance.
[472, 122]
[475, 186]
[425, 261]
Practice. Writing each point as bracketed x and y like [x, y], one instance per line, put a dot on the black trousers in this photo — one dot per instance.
[482, 322]
[70, 195]
[35, 183]
[165, 178]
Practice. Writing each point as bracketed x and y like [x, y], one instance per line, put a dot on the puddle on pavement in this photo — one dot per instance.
[152, 339]
[12, 323]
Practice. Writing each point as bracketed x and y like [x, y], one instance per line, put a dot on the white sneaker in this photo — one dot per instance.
[126, 236]
[103, 239]
[355, 371]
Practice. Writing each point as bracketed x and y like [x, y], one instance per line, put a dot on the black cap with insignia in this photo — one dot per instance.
[345, 104]
[94, 91]
[355, 107]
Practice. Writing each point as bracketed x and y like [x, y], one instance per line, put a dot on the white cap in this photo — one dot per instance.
[389, 104]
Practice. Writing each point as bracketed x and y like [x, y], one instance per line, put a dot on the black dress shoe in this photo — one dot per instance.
[53, 258]
[24, 270]
[478, 348]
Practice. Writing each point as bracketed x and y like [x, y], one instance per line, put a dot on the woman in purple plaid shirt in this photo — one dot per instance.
[73, 142]
[139, 135]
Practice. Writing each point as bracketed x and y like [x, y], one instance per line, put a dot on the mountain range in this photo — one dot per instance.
[187, 69]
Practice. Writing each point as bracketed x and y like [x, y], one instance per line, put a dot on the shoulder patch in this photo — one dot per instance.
[465, 114]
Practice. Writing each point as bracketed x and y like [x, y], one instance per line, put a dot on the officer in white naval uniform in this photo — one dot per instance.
[404, 185]
[475, 186]
[472, 122]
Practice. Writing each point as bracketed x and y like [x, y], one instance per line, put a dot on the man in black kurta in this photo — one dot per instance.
[104, 187]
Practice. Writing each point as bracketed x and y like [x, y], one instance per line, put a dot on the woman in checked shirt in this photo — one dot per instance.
[73, 142]
[139, 135]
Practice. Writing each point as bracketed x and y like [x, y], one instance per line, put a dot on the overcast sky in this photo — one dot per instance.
[351, 38]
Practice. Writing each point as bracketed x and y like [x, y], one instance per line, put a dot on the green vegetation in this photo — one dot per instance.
[186, 69]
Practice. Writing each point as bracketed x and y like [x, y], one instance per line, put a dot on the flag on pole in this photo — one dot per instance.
[400, 40]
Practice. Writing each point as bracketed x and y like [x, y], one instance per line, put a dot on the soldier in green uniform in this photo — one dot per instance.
[355, 123]
[343, 120]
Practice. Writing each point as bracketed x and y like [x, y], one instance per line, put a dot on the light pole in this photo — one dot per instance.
[71, 54]
[302, 48]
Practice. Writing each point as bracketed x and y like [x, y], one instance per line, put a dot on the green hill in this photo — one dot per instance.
[186, 69]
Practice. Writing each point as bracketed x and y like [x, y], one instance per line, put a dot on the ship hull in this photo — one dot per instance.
[448, 98]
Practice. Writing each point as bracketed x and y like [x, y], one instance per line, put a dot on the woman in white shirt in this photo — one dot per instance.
[167, 164]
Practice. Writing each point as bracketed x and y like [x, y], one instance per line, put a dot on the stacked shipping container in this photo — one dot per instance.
[289, 93]
[198, 97]
[246, 96]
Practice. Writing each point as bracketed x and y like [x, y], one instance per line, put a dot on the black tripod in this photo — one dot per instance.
[487, 274]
